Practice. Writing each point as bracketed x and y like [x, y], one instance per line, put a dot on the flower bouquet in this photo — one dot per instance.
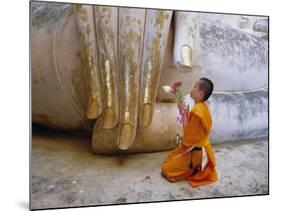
[175, 90]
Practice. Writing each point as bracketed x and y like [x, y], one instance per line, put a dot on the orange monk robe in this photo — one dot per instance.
[196, 131]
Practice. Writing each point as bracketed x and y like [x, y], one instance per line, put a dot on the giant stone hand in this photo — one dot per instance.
[102, 68]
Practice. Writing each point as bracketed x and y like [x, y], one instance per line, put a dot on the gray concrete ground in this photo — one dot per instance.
[66, 173]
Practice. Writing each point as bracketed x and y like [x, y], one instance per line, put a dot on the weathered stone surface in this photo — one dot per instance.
[68, 174]
[241, 115]
[261, 26]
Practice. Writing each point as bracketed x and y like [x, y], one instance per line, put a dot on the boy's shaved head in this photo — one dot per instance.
[207, 86]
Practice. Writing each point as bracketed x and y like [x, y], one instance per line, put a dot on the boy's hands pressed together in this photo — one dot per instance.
[182, 107]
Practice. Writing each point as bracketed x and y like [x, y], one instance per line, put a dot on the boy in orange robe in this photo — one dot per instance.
[185, 162]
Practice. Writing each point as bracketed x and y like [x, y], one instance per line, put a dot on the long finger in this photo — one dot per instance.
[131, 27]
[156, 33]
[106, 28]
[184, 39]
[85, 22]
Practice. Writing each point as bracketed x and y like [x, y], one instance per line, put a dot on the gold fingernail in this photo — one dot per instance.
[186, 56]
[146, 115]
[93, 110]
[109, 118]
[125, 136]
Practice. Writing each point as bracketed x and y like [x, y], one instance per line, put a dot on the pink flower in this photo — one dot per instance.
[175, 85]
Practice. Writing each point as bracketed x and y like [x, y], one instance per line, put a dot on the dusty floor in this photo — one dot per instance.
[66, 173]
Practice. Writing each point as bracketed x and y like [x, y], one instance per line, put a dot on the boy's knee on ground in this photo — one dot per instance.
[165, 169]
[165, 174]
[169, 170]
